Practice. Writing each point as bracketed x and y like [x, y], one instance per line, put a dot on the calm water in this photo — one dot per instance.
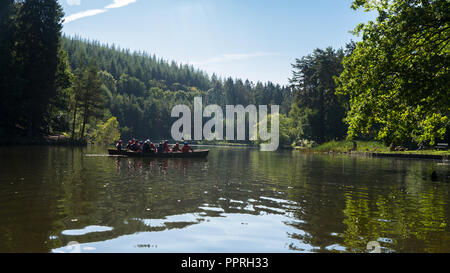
[238, 200]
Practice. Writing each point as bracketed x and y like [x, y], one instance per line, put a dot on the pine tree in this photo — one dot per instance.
[92, 99]
[39, 24]
[8, 71]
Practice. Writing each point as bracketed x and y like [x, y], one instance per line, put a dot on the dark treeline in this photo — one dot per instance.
[33, 66]
[317, 112]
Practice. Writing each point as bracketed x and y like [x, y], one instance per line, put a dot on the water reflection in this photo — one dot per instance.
[237, 200]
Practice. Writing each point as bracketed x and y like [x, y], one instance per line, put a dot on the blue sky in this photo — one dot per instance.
[248, 39]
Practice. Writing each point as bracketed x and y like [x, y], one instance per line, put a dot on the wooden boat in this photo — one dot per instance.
[195, 154]
[117, 152]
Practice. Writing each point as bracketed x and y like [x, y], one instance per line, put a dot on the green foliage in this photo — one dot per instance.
[397, 77]
[347, 146]
[301, 118]
[131, 85]
[8, 70]
[288, 132]
[91, 99]
[107, 133]
[142, 90]
[58, 118]
[30, 57]
[42, 96]
[317, 111]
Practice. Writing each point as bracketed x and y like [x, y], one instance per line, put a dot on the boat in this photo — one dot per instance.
[195, 154]
[117, 152]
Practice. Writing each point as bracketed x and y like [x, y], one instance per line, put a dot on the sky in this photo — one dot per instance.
[248, 39]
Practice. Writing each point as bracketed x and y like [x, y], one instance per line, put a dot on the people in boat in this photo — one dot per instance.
[129, 144]
[161, 147]
[135, 147]
[186, 148]
[146, 147]
[166, 147]
[119, 145]
[153, 147]
[176, 148]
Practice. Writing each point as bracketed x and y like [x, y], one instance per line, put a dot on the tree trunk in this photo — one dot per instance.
[84, 121]
[30, 123]
[30, 128]
[73, 124]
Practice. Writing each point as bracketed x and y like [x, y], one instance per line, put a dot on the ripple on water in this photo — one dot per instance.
[174, 219]
[280, 201]
[215, 209]
[336, 247]
[271, 209]
[86, 230]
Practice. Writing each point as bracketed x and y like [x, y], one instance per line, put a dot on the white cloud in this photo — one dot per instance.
[92, 12]
[235, 57]
[82, 14]
[119, 4]
[73, 2]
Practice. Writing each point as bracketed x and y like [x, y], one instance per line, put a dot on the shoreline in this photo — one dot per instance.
[375, 149]
[41, 141]
[381, 154]
[58, 141]
[410, 155]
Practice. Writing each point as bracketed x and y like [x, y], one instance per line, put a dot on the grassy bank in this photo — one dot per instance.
[347, 146]
[369, 147]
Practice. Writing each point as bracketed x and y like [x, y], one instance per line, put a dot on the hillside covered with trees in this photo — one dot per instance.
[141, 90]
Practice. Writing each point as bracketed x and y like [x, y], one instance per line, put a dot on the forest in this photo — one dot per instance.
[390, 86]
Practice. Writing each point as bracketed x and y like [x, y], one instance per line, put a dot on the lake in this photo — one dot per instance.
[236, 200]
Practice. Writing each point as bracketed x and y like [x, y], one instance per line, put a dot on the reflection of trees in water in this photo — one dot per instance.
[31, 207]
[336, 200]
[348, 202]
[329, 200]
[418, 222]
[397, 208]
[155, 189]
[129, 190]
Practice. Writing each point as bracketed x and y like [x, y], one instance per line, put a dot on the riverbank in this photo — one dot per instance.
[375, 149]
[234, 144]
[41, 140]
[222, 143]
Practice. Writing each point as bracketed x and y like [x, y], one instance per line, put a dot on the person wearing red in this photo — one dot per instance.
[166, 147]
[186, 148]
[176, 148]
[136, 146]
[153, 148]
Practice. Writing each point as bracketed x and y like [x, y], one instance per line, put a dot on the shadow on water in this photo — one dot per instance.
[236, 200]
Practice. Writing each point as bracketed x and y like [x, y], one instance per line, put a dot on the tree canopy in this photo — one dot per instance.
[32, 63]
[317, 110]
[398, 77]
